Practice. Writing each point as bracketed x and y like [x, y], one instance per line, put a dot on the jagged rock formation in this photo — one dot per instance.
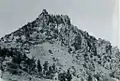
[54, 39]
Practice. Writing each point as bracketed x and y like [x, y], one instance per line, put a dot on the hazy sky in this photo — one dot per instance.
[94, 16]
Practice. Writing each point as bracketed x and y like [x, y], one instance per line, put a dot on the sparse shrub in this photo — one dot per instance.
[69, 50]
[50, 51]
[99, 62]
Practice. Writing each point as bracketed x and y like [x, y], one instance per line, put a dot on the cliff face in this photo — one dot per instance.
[54, 39]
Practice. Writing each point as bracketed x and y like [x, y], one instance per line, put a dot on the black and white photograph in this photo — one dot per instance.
[59, 40]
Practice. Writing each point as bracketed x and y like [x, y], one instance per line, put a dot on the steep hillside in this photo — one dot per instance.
[53, 39]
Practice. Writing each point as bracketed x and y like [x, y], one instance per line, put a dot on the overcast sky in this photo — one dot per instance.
[94, 16]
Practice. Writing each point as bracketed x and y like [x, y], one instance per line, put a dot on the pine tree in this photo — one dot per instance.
[39, 67]
[2, 69]
[53, 68]
[68, 75]
[62, 76]
[32, 64]
[45, 67]
[89, 78]
[17, 58]
[49, 72]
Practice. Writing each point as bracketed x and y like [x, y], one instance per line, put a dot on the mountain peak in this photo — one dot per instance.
[52, 18]
[54, 39]
[43, 14]
[44, 11]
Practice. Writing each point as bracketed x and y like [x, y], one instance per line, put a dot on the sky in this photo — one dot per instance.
[94, 16]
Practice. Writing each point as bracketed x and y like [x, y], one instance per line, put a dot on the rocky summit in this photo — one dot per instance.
[51, 48]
